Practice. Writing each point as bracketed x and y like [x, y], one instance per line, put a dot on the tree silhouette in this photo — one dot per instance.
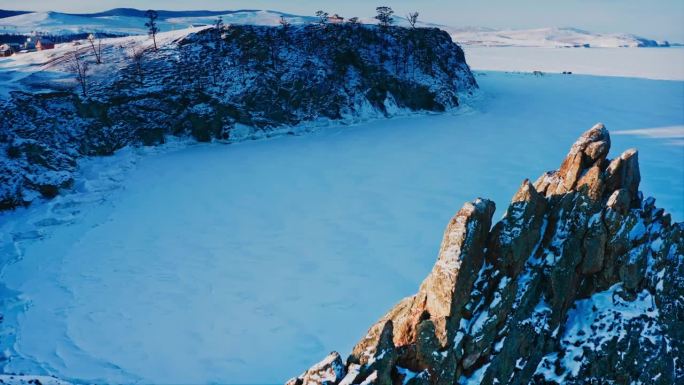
[384, 16]
[412, 18]
[322, 17]
[79, 68]
[283, 22]
[96, 50]
[151, 25]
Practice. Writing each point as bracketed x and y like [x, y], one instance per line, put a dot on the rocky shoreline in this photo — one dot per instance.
[229, 84]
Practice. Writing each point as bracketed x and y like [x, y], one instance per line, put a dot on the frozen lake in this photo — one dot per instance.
[650, 63]
[246, 263]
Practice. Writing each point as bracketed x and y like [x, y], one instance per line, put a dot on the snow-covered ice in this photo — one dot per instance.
[245, 263]
[649, 63]
[546, 37]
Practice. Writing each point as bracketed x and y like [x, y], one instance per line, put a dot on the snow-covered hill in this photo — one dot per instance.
[547, 37]
[56, 23]
[132, 21]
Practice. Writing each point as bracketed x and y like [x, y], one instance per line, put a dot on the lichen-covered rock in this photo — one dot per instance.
[580, 282]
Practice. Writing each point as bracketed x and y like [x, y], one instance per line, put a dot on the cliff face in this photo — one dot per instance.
[580, 282]
[228, 84]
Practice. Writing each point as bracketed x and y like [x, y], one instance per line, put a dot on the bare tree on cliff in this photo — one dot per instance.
[97, 51]
[151, 25]
[322, 17]
[412, 18]
[137, 55]
[384, 16]
[220, 34]
[79, 67]
[218, 27]
[283, 22]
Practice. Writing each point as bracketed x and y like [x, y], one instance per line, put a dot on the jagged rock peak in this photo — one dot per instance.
[569, 287]
[586, 166]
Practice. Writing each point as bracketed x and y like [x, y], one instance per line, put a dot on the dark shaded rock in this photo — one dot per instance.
[518, 233]
[375, 355]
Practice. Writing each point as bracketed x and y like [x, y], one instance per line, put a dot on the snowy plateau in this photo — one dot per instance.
[247, 259]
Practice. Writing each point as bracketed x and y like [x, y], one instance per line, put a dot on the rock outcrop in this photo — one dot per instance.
[229, 84]
[581, 282]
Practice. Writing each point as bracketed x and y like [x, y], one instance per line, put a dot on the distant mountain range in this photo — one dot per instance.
[7, 13]
[131, 21]
[132, 12]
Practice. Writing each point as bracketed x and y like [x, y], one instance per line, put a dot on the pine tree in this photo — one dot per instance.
[384, 16]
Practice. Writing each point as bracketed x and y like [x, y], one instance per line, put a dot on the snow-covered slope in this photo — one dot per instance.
[547, 37]
[57, 23]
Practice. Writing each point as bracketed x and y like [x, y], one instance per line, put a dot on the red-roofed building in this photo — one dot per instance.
[43, 44]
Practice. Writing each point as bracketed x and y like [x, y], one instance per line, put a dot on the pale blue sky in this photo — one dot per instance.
[659, 19]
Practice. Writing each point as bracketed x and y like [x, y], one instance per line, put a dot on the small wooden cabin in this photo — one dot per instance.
[335, 19]
[43, 44]
[6, 50]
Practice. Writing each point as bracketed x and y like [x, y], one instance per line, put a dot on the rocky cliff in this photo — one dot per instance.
[580, 282]
[227, 83]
